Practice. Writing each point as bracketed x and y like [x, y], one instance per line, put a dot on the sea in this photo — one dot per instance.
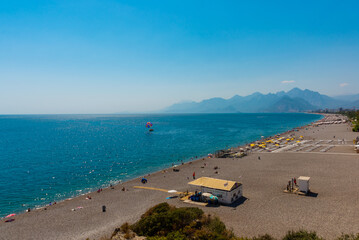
[48, 158]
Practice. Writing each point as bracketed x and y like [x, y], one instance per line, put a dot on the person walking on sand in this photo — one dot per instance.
[194, 175]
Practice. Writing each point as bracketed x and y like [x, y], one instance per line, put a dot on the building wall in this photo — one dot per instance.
[225, 197]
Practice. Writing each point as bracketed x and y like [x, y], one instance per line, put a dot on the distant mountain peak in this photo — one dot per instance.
[236, 96]
[295, 100]
[256, 94]
[296, 90]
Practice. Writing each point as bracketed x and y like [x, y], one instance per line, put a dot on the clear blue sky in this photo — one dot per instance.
[113, 56]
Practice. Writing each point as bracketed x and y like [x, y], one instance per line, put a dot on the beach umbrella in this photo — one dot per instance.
[10, 215]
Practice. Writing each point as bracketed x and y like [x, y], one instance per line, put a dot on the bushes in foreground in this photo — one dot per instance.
[349, 237]
[163, 219]
[301, 235]
[166, 222]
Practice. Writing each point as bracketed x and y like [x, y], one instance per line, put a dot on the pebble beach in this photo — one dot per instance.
[265, 208]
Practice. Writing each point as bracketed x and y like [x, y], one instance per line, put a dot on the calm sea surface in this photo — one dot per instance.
[46, 158]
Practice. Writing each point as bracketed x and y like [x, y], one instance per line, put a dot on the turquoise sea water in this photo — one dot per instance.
[47, 158]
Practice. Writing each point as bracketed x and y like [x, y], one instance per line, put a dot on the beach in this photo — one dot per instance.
[265, 208]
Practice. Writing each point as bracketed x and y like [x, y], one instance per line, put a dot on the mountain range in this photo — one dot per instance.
[295, 100]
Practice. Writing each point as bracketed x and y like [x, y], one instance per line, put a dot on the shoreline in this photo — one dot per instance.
[263, 179]
[161, 170]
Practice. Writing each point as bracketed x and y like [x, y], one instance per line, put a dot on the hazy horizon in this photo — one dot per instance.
[156, 111]
[93, 57]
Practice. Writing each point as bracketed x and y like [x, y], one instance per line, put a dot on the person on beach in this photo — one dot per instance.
[194, 175]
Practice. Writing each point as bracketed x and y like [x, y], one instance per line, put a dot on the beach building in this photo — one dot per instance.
[226, 191]
[303, 183]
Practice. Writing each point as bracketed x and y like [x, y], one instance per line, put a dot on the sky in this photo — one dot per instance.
[117, 56]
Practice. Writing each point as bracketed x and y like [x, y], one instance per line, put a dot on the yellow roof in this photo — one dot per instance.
[215, 183]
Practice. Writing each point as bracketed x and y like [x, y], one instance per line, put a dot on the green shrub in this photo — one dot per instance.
[213, 228]
[301, 235]
[128, 235]
[217, 226]
[125, 228]
[356, 128]
[156, 238]
[349, 237]
[264, 237]
[205, 235]
[182, 217]
[162, 219]
[159, 208]
[176, 236]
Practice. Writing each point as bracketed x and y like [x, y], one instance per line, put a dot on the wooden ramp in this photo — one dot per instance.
[158, 189]
[152, 188]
